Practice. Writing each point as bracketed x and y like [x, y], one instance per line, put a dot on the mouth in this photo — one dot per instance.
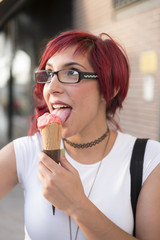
[63, 111]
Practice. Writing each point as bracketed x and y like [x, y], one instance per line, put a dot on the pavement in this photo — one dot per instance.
[11, 216]
[11, 207]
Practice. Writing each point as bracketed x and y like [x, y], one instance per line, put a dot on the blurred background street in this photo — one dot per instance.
[11, 207]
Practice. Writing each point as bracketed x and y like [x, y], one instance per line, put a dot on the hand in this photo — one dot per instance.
[61, 184]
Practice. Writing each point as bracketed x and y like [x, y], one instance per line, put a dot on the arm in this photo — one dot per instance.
[97, 226]
[148, 208]
[8, 173]
[63, 188]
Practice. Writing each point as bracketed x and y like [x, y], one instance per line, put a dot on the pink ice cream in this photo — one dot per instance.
[46, 119]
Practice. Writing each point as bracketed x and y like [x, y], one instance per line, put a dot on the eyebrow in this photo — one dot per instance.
[67, 64]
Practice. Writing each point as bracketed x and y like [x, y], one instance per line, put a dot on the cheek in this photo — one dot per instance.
[46, 97]
[89, 95]
[92, 93]
[45, 93]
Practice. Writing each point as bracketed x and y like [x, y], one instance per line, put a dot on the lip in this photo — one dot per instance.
[59, 103]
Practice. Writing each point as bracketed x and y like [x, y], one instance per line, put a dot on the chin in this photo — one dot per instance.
[66, 132]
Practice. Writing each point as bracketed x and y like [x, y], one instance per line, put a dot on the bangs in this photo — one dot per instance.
[82, 40]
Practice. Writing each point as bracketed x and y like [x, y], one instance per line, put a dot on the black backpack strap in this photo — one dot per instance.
[136, 171]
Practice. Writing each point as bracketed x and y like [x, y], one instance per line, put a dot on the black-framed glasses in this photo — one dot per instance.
[68, 76]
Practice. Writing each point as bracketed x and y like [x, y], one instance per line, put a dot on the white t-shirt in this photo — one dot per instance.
[111, 192]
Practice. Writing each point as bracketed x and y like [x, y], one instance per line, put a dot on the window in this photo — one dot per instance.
[123, 3]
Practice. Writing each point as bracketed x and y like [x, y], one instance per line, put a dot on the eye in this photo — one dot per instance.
[72, 72]
[49, 74]
[45, 76]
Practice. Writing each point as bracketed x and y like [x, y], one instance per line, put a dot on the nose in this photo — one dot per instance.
[55, 86]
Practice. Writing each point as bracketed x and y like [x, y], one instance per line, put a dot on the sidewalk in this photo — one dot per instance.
[11, 216]
[11, 207]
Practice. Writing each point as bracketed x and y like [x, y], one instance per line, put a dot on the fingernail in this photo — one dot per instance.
[63, 152]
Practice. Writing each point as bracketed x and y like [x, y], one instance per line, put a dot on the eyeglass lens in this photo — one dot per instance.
[68, 76]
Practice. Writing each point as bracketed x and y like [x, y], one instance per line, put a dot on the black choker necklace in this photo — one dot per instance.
[90, 144]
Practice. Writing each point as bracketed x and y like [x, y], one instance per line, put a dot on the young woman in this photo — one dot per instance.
[83, 79]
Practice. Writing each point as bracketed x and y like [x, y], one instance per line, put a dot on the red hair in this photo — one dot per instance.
[108, 60]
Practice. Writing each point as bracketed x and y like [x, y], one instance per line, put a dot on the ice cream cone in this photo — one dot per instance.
[50, 130]
[51, 140]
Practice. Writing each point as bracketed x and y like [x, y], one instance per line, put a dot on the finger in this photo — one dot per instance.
[40, 177]
[44, 171]
[48, 162]
[66, 164]
[40, 172]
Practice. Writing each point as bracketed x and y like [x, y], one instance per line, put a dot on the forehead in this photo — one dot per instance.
[68, 55]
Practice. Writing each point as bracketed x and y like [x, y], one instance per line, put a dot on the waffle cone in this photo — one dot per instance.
[51, 136]
[51, 140]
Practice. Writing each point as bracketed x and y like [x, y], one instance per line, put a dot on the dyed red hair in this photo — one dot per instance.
[108, 60]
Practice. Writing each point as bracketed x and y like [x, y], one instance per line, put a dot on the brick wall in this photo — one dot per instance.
[137, 28]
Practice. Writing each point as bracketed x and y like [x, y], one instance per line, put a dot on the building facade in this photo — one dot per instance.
[135, 24]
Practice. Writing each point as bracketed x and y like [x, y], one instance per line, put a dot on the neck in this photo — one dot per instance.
[93, 154]
[88, 144]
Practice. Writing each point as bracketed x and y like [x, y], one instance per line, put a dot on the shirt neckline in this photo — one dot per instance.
[78, 164]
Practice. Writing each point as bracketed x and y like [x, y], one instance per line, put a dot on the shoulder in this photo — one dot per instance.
[7, 154]
[124, 142]
[26, 153]
[27, 143]
[151, 158]
[124, 146]
[125, 138]
[153, 147]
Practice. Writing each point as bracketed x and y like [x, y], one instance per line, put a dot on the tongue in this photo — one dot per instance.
[62, 113]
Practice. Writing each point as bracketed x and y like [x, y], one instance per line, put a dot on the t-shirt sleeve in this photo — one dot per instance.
[151, 158]
[26, 151]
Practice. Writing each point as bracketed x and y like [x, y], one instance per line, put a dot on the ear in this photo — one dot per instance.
[116, 91]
